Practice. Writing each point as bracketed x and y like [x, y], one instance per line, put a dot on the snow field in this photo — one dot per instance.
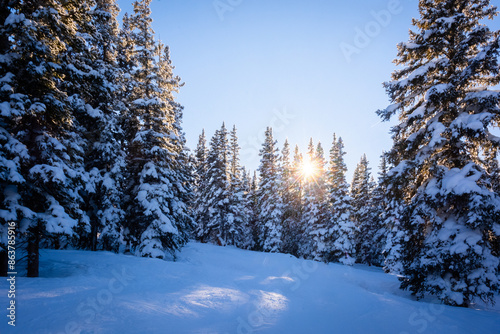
[213, 289]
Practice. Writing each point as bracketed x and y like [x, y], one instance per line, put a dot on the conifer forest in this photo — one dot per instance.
[94, 156]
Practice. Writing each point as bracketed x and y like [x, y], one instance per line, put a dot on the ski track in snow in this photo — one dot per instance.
[213, 289]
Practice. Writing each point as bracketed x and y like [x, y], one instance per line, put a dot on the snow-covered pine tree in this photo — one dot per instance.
[92, 82]
[291, 222]
[38, 119]
[13, 153]
[396, 236]
[212, 215]
[200, 158]
[248, 240]
[156, 219]
[360, 192]
[363, 214]
[309, 209]
[372, 233]
[181, 174]
[270, 208]
[128, 87]
[238, 229]
[342, 230]
[108, 149]
[200, 166]
[446, 102]
[298, 184]
[315, 217]
[252, 211]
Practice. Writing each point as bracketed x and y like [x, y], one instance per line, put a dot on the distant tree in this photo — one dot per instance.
[372, 232]
[213, 215]
[252, 212]
[200, 158]
[360, 192]
[270, 206]
[200, 166]
[342, 231]
[247, 240]
[238, 219]
[315, 217]
[364, 215]
[291, 211]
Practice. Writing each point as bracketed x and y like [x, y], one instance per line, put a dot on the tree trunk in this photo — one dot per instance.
[33, 255]
[93, 229]
[3, 263]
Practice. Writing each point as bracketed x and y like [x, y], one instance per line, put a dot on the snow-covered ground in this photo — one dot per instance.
[214, 289]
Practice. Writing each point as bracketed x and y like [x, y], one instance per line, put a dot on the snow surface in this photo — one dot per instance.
[213, 289]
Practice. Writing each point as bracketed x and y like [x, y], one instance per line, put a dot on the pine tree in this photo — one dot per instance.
[248, 212]
[315, 216]
[342, 231]
[94, 86]
[46, 175]
[13, 153]
[445, 101]
[200, 173]
[291, 212]
[112, 156]
[213, 216]
[372, 233]
[364, 215]
[157, 219]
[180, 173]
[269, 197]
[252, 211]
[360, 192]
[200, 158]
[239, 234]
[304, 173]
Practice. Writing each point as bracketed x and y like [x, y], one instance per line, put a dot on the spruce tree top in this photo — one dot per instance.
[444, 93]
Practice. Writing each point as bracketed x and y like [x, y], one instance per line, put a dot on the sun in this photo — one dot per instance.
[308, 169]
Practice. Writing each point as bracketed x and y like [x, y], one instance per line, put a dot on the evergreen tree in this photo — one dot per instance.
[304, 173]
[315, 216]
[13, 152]
[291, 215]
[252, 211]
[269, 197]
[239, 234]
[342, 231]
[248, 212]
[94, 87]
[157, 219]
[200, 158]
[40, 140]
[364, 215]
[180, 175]
[360, 192]
[200, 173]
[213, 216]
[446, 103]
[372, 232]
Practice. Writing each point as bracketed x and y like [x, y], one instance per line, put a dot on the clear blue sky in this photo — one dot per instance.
[302, 66]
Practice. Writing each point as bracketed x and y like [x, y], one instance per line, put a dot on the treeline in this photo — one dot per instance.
[299, 204]
[92, 153]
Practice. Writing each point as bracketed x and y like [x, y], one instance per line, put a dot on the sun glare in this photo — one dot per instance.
[308, 169]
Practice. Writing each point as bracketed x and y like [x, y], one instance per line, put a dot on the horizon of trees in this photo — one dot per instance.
[300, 204]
